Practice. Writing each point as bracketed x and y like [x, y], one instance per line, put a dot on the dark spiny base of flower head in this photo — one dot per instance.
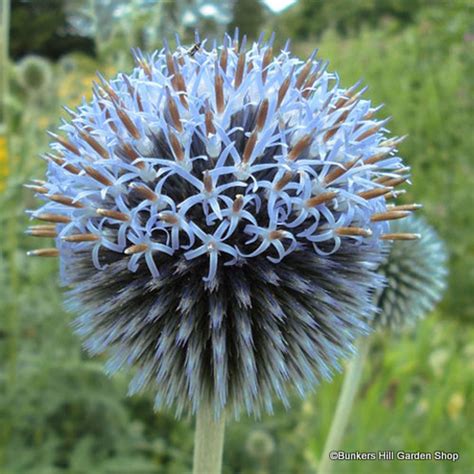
[416, 275]
[264, 330]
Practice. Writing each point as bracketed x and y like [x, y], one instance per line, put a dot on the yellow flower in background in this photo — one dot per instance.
[455, 405]
[3, 162]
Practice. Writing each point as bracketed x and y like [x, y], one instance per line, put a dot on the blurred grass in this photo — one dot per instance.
[60, 413]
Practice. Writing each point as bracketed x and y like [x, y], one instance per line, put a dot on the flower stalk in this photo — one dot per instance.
[208, 441]
[344, 404]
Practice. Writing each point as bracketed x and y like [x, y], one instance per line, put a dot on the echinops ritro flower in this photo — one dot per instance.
[219, 214]
[416, 273]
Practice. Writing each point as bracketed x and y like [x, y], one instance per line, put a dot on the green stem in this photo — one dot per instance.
[11, 310]
[4, 46]
[208, 442]
[344, 405]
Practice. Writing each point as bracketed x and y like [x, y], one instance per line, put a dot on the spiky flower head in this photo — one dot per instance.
[260, 444]
[415, 272]
[34, 73]
[219, 214]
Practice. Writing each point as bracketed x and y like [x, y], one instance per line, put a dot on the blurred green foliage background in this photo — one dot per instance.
[60, 414]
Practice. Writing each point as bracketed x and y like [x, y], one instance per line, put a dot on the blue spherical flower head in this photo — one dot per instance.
[416, 273]
[219, 216]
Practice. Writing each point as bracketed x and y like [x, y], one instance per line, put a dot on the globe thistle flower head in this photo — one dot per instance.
[219, 214]
[416, 274]
[34, 74]
[260, 445]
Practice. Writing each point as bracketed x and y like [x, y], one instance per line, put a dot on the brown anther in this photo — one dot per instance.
[235, 45]
[338, 171]
[262, 114]
[144, 192]
[238, 203]
[210, 129]
[309, 84]
[369, 132]
[219, 89]
[207, 180]
[93, 173]
[345, 113]
[353, 98]
[276, 234]
[140, 165]
[180, 86]
[42, 227]
[120, 216]
[249, 147]
[376, 158]
[60, 162]
[65, 143]
[170, 64]
[168, 218]
[49, 217]
[382, 179]
[110, 92]
[110, 123]
[249, 66]
[146, 67]
[389, 216]
[405, 207]
[320, 198]
[175, 145]
[390, 179]
[368, 115]
[136, 249]
[344, 99]
[374, 193]
[283, 89]
[80, 238]
[174, 113]
[38, 232]
[331, 132]
[129, 125]
[354, 231]
[400, 236]
[94, 144]
[283, 181]
[392, 142]
[395, 194]
[67, 201]
[303, 74]
[49, 252]
[239, 71]
[300, 147]
[405, 169]
[36, 189]
[267, 57]
[224, 57]
[129, 151]
[396, 181]
[133, 92]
